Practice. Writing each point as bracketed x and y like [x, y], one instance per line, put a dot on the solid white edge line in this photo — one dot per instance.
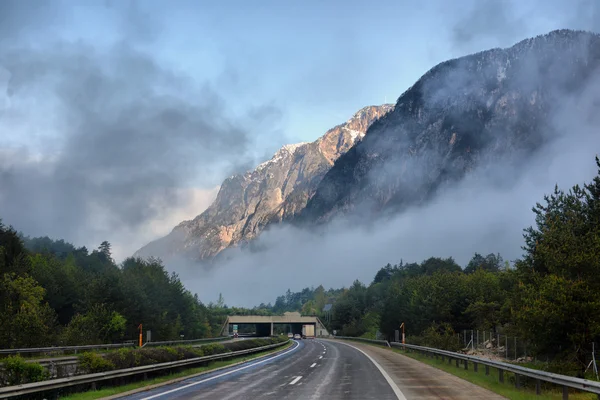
[320, 357]
[296, 379]
[220, 375]
[313, 365]
[389, 380]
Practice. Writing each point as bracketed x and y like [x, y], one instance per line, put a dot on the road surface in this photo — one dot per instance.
[421, 381]
[323, 369]
[310, 369]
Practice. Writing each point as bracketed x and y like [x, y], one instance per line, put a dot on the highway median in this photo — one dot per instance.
[137, 366]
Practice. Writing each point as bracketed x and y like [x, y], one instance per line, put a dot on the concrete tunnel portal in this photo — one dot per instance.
[272, 325]
[269, 329]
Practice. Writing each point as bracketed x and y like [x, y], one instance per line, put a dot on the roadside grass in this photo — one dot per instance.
[114, 390]
[541, 365]
[491, 381]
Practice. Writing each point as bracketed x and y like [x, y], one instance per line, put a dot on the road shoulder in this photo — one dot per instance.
[417, 380]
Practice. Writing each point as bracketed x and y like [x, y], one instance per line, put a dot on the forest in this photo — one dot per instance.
[548, 297]
[53, 293]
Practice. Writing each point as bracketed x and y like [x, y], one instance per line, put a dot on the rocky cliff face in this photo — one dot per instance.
[275, 191]
[497, 105]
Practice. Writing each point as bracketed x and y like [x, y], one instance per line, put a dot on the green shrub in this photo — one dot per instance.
[247, 344]
[251, 343]
[124, 358]
[94, 362]
[129, 358]
[214, 348]
[135, 357]
[190, 352]
[439, 336]
[17, 371]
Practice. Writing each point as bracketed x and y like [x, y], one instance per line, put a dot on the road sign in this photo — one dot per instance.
[235, 329]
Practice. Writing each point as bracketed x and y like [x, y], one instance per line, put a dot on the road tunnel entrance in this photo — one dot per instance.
[275, 325]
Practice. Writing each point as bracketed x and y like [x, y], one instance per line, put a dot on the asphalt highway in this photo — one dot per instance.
[310, 369]
[324, 369]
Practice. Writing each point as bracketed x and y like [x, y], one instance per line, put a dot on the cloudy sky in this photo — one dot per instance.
[119, 119]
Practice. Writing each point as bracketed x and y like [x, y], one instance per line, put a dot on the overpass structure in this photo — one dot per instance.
[264, 324]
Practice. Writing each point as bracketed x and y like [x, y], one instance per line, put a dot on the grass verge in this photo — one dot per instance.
[491, 381]
[114, 390]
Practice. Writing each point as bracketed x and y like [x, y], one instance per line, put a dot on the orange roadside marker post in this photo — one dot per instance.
[403, 336]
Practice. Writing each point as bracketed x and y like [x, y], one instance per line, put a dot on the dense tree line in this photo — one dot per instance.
[53, 293]
[549, 297]
[308, 301]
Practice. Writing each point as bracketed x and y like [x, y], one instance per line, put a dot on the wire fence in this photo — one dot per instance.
[503, 346]
[514, 349]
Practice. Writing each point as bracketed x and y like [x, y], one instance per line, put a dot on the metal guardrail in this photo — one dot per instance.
[37, 387]
[190, 341]
[63, 361]
[557, 379]
[54, 349]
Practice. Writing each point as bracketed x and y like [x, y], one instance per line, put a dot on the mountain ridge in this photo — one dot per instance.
[274, 191]
[463, 113]
[495, 106]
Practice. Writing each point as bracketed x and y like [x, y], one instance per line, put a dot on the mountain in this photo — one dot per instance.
[501, 105]
[275, 191]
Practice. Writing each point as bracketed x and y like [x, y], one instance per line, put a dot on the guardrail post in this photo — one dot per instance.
[475, 366]
[538, 387]
[457, 362]
[466, 364]
[565, 393]
[501, 375]
[487, 369]
[517, 381]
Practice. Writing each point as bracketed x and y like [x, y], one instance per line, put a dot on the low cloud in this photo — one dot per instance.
[192, 200]
[474, 216]
[485, 212]
[102, 142]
